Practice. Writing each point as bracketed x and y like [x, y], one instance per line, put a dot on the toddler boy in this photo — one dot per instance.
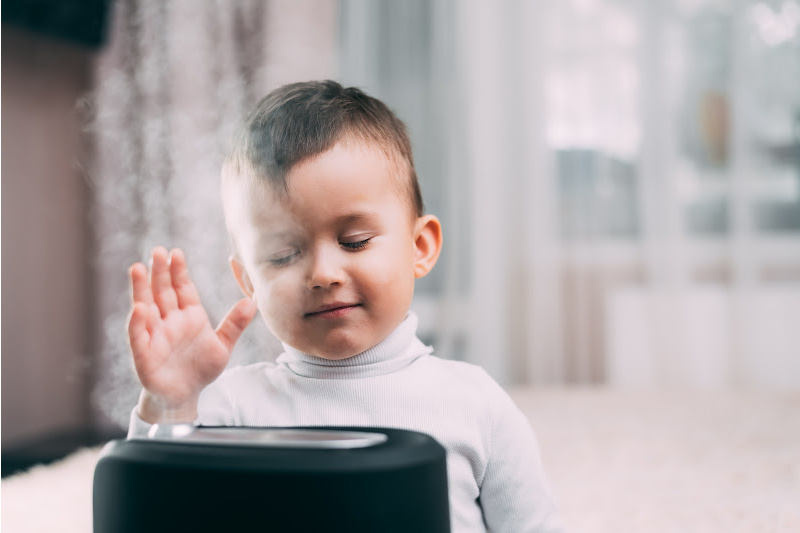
[329, 234]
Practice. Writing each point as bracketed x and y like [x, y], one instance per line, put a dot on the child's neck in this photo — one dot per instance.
[399, 349]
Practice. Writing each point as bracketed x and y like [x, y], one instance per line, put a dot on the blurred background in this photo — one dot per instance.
[619, 183]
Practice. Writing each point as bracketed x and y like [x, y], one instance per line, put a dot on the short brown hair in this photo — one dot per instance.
[301, 120]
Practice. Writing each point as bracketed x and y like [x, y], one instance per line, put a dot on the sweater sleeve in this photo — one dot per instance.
[214, 408]
[514, 494]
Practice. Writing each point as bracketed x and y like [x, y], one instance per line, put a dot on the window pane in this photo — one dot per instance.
[772, 112]
[593, 116]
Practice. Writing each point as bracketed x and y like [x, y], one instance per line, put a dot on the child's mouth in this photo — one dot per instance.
[335, 310]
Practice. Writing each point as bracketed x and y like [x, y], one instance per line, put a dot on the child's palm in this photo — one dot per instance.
[175, 349]
[183, 352]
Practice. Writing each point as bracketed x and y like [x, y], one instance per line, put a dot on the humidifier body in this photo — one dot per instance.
[273, 479]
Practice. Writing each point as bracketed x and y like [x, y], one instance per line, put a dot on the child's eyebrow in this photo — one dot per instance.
[277, 236]
[356, 217]
[266, 241]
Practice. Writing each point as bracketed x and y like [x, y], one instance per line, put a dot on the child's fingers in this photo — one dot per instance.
[235, 322]
[161, 282]
[138, 334]
[181, 282]
[140, 285]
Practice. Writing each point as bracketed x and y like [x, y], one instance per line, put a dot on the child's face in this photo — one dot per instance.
[332, 264]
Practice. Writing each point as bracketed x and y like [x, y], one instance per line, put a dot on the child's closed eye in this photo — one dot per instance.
[356, 245]
[283, 258]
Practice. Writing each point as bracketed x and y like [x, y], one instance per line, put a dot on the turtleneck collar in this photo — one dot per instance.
[399, 349]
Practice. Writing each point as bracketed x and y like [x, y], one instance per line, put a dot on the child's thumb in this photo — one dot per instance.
[236, 321]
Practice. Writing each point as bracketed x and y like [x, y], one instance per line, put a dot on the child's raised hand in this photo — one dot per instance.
[176, 351]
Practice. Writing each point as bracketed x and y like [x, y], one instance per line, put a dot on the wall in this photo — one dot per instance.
[45, 281]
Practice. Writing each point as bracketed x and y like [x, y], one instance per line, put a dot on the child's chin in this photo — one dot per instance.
[338, 355]
[342, 343]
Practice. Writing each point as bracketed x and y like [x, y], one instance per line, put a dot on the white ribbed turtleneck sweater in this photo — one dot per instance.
[495, 474]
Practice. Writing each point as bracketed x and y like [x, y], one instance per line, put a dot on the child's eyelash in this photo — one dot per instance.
[280, 261]
[356, 245]
[285, 260]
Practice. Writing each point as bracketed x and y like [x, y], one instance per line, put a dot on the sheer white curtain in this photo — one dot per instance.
[619, 182]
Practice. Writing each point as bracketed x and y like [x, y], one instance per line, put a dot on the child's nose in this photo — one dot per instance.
[325, 270]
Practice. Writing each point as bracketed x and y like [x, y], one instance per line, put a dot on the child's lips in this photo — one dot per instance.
[334, 310]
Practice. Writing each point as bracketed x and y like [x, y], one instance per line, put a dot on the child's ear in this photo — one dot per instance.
[427, 244]
[241, 276]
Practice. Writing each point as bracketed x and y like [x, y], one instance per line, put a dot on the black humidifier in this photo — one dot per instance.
[239, 479]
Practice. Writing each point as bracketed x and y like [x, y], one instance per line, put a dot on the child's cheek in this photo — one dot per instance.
[384, 269]
[281, 294]
[278, 308]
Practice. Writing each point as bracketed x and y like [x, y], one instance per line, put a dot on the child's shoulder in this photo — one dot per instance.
[460, 367]
[475, 388]
[465, 374]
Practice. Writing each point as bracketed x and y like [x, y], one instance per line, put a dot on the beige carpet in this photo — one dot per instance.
[682, 462]
[617, 462]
